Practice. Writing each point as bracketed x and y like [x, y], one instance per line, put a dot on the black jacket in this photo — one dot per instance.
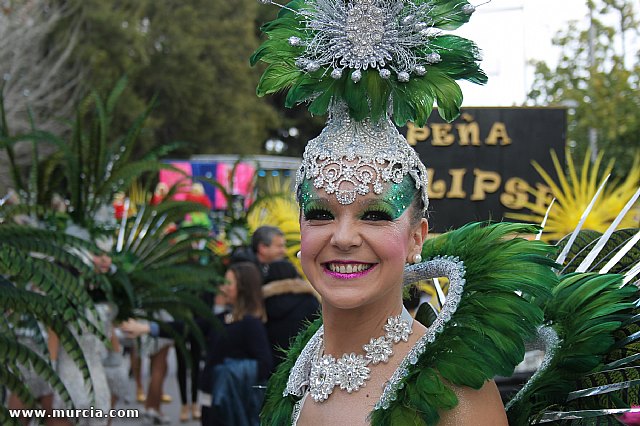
[290, 304]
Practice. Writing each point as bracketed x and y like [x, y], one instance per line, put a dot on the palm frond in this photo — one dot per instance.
[158, 263]
[59, 280]
[43, 260]
[89, 166]
[13, 353]
[62, 319]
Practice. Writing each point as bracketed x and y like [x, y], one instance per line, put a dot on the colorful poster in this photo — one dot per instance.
[220, 172]
[171, 178]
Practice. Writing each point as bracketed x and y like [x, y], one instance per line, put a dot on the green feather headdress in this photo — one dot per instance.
[369, 64]
[372, 55]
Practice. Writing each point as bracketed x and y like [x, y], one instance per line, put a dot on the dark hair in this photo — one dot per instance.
[249, 286]
[417, 208]
[281, 270]
[264, 235]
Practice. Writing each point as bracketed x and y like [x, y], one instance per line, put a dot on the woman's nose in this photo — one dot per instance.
[346, 234]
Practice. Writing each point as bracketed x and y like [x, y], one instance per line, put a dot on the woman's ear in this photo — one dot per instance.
[419, 236]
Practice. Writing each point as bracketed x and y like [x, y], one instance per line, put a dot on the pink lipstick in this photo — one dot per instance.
[347, 270]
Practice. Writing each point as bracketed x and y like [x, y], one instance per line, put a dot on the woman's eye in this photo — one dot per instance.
[318, 214]
[377, 215]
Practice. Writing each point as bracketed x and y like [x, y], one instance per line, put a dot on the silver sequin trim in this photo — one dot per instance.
[351, 158]
[298, 380]
[551, 342]
[297, 409]
[454, 270]
[362, 34]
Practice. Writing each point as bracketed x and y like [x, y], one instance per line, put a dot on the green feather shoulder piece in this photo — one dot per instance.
[277, 409]
[485, 335]
[589, 359]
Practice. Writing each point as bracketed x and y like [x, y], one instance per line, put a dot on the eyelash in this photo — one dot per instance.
[318, 214]
[370, 215]
[377, 215]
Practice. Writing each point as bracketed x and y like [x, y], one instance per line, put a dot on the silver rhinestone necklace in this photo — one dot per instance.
[350, 371]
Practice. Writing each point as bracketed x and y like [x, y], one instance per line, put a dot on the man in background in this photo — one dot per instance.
[267, 246]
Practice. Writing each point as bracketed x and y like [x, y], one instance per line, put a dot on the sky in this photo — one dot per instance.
[510, 33]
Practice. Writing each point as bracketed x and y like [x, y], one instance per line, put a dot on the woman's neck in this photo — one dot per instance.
[346, 330]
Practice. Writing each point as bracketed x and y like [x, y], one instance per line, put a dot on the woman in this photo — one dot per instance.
[240, 351]
[291, 304]
[363, 198]
[354, 256]
[238, 355]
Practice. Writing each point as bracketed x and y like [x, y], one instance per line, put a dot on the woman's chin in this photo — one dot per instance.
[350, 299]
[343, 299]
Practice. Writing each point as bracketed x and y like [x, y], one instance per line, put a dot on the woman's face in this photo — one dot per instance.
[354, 254]
[230, 288]
[101, 263]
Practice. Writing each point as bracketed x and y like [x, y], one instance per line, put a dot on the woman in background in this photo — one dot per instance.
[291, 304]
[238, 353]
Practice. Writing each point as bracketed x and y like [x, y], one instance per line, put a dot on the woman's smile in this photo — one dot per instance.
[348, 269]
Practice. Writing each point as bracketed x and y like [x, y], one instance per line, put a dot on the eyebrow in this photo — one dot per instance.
[361, 203]
[370, 202]
[320, 200]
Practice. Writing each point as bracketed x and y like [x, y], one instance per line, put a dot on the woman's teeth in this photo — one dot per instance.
[348, 268]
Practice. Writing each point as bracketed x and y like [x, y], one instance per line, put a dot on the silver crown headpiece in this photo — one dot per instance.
[351, 158]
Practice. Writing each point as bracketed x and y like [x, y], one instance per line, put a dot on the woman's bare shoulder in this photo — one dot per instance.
[476, 407]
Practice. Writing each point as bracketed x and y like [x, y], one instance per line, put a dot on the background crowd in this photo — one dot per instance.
[223, 363]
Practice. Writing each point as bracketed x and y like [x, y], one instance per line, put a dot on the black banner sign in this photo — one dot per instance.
[480, 165]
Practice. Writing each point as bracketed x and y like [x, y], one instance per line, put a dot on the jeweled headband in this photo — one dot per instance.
[369, 64]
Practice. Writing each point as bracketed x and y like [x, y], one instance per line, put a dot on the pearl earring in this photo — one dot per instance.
[299, 254]
[417, 258]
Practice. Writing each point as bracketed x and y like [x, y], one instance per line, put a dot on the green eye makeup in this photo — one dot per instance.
[305, 194]
[389, 205]
[399, 196]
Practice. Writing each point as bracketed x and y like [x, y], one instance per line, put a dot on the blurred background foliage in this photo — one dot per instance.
[598, 79]
[193, 57]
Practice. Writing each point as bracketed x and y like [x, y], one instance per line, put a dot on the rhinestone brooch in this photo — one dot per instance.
[351, 371]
